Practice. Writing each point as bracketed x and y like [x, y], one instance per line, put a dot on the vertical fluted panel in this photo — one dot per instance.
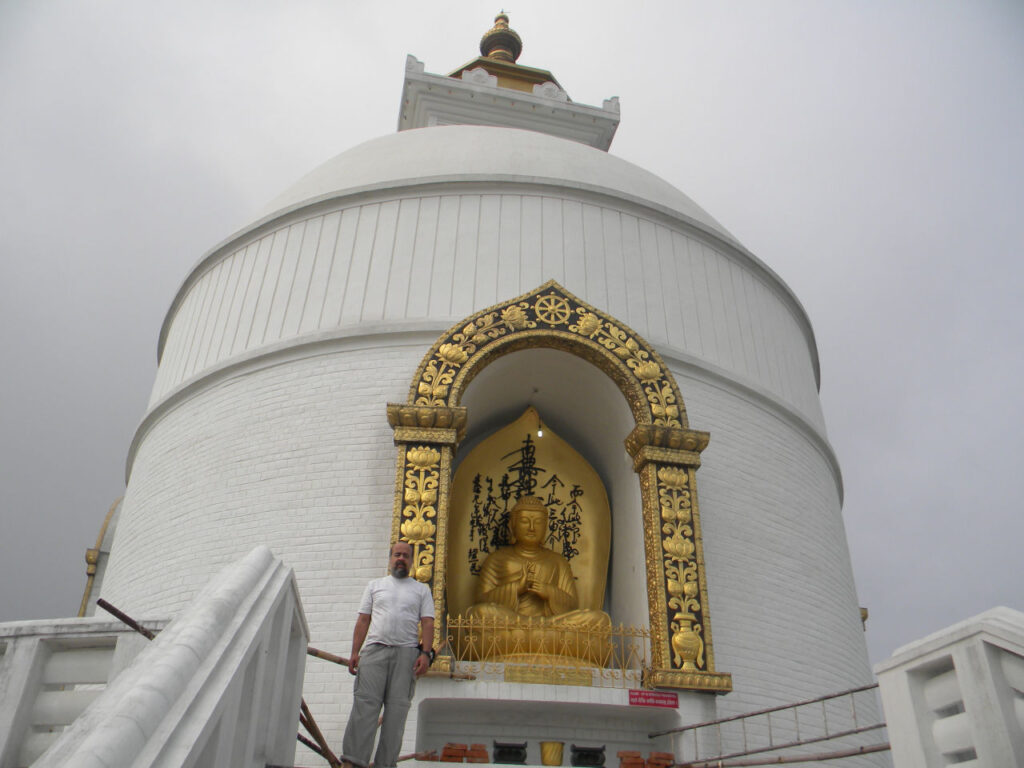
[444, 257]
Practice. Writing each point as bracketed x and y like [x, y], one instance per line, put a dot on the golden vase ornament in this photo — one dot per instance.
[688, 647]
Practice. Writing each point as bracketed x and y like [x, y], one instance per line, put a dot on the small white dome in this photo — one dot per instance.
[485, 153]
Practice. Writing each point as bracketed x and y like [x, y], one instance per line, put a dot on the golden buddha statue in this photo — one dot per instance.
[526, 601]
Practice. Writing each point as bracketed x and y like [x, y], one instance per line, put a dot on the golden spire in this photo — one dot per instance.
[500, 47]
[500, 41]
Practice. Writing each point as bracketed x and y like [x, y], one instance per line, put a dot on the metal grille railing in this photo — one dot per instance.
[831, 718]
[528, 650]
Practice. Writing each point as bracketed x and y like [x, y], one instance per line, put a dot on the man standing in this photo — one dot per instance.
[390, 614]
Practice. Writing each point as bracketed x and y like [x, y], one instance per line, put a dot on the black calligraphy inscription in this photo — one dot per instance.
[521, 476]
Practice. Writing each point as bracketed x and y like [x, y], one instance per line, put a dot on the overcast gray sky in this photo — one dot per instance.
[870, 153]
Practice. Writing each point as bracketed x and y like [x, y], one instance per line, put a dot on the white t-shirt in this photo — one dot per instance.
[396, 607]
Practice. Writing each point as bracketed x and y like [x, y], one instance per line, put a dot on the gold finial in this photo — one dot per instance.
[501, 42]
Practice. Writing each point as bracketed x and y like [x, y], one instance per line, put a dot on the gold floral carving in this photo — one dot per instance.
[422, 479]
[665, 452]
[563, 322]
[436, 377]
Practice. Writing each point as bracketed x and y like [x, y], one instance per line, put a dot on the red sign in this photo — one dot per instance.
[638, 698]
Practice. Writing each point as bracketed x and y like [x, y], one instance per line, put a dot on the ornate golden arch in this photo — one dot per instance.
[665, 452]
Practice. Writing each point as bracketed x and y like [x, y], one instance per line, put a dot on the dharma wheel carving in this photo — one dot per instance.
[665, 453]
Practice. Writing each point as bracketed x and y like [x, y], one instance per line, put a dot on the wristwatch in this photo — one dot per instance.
[431, 653]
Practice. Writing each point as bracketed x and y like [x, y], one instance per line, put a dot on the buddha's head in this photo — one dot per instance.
[528, 522]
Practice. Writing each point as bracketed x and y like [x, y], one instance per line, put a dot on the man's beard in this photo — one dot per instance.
[400, 571]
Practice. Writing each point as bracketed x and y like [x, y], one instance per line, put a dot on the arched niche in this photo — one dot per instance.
[664, 453]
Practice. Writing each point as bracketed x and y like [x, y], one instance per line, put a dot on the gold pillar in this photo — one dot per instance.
[426, 437]
[667, 458]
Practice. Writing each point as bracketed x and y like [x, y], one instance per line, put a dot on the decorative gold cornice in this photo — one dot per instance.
[646, 454]
[665, 445]
[658, 436]
[427, 423]
[421, 435]
[715, 682]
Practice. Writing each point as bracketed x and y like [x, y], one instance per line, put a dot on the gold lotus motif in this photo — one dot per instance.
[678, 547]
[648, 371]
[673, 478]
[453, 353]
[589, 324]
[514, 317]
[422, 457]
[417, 529]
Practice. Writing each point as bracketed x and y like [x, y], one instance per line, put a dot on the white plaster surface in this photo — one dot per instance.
[486, 153]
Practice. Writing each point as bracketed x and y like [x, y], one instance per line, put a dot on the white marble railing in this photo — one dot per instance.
[220, 685]
[957, 696]
[50, 671]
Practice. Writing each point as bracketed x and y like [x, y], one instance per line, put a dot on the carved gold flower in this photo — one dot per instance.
[423, 573]
[423, 457]
[417, 529]
[514, 317]
[668, 412]
[678, 547]
[673, 477]
[416, 496]
[588, 324]
[648, 371]
[453, 353]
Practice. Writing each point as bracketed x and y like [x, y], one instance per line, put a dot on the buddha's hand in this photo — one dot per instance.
[540, 588]
[523, 582]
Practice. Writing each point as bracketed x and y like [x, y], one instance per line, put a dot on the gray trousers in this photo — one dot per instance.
[385, 677]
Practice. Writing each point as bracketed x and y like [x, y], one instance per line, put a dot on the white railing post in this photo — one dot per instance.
[219, 686]
[951, 696]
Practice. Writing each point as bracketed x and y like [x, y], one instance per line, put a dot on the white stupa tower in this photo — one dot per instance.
[324, 371]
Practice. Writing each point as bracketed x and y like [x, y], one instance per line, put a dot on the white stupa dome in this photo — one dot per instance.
[461, 153]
